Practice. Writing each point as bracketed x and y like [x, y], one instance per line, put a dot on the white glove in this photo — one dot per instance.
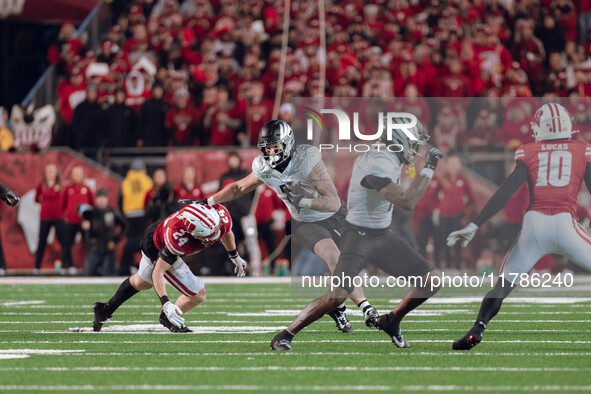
[467, 233]
[240, 264]
[173, 313]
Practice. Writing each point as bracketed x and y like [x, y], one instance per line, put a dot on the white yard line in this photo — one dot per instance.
[22, 303]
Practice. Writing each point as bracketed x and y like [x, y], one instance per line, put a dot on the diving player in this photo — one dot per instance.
[554, 168]
[317, 221]
[184, 233]
[374, 187]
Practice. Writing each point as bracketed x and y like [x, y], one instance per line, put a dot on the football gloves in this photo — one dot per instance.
[432, 158]
[11, 199]
[174, 314]
[293, 196]
[240, 269]
[466, 234]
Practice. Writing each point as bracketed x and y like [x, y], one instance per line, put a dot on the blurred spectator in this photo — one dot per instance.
[161, 201]
[423, 215]
[151, 131]
[241, 206]
[87, 124]
[258, 111]
[285, 112]
[222, 120]
[132, 197]
[66, 46]
[182, 120]
[455, 199]
[49, 194]
[71, 92]
[529, 50]
[584, 20]
[100, 227]
[267, 203]
[551, 35]
[76, 194]
[188, 187]
[121, 121]
[6, 137]
[451, 124]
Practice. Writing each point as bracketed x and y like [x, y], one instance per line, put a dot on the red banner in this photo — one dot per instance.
[22, 172]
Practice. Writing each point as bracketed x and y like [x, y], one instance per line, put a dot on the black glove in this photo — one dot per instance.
[294, 197]
[11, 199]
[432, 158]
[193, 201]
[288, 227]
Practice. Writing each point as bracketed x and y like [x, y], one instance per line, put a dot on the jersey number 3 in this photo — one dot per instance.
[554, 168]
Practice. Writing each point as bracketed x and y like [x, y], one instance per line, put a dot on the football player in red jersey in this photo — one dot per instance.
[164, 244]
[554, 167]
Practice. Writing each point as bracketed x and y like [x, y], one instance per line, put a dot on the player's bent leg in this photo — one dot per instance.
[188, 303]
[491, 304]
[312, 312]
[424, 288]
[128, 288]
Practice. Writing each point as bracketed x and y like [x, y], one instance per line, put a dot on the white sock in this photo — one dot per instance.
[363, 305]
[341, 306]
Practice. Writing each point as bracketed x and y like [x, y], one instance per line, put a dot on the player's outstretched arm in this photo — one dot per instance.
[494, 205]
[235, 189]
[229, 243]
[329, 200]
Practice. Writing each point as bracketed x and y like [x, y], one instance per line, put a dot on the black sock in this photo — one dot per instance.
[389, 323]
[479, 328]
[285, 334]
[123, 293]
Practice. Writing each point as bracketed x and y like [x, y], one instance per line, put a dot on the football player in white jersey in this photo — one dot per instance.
[374, 187]
[317, 222]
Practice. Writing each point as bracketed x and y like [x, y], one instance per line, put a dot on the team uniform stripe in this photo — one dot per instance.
[582, 233]
[167, 276]
[169, 244]
[553, 120]
[204, 218]
[508, 253]
[180, 284]
[558, 114]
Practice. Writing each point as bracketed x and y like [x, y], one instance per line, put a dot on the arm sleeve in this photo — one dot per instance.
[503, 194]
[375, 182]
[588, 176]
[167, 255]
[3, 191]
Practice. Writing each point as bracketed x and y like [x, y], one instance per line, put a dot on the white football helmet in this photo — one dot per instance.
[552, 122]
[202, 222]
[410, 148]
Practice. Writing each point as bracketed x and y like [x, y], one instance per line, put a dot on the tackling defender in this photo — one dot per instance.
[374, 187]
[184, 233]
[554, 167]
[284, 167]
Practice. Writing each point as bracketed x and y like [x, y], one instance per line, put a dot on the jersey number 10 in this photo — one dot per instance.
[554, 168]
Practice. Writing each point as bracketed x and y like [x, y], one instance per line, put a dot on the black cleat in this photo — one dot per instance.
[391, 326]
[282, 342]
[166, 323]
[471, 339]
[100, 316]
[371, 316]
[339, 315]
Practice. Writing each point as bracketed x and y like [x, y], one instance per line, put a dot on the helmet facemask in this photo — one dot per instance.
[276, 132]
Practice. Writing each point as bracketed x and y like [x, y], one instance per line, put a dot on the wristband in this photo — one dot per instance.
[233, 254]
[210, 201]
[426, 172]
[164, 299]
[305, 203]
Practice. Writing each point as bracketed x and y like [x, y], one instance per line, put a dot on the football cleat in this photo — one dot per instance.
[371, 316]
[166, 323]
[339, 315]
[282, 342]
[471, 339]
[391, 326]
[100, 316]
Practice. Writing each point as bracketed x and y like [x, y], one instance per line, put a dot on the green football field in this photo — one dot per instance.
[46, 344]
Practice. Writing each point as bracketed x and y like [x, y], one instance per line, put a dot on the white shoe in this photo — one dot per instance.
[36, 271]
[2, 272]
[72, 271]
